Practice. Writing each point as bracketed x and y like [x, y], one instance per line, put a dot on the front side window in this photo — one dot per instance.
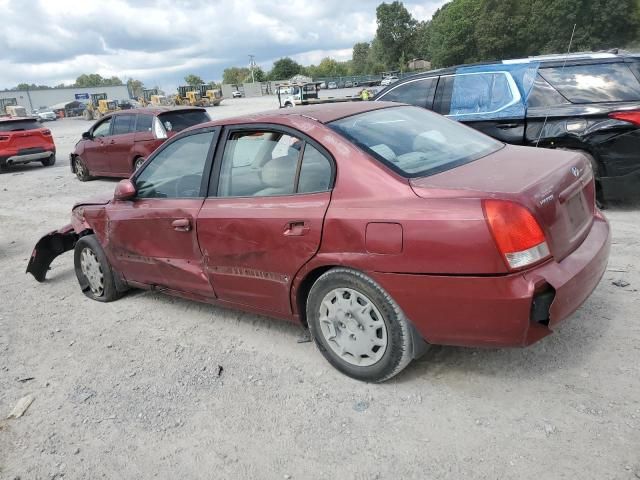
[607, 82]
[264, 163]
[123, 124]
[102, 130]
[417, 92]
[177, 170]
[413, 141]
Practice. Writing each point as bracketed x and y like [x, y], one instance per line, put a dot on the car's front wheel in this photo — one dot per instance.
[357, 326]
[93, 271]
[81, 170]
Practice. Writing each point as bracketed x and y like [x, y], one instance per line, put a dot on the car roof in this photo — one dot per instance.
[323, 113]
[155, 110]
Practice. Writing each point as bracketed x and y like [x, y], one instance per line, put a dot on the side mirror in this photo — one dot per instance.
[86, 136]
[125, 190]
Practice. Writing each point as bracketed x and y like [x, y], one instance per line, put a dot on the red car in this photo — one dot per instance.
[118, 144]
[380, 226]
[25, 140]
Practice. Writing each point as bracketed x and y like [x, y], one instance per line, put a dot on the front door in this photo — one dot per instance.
[265, 219]
[120, 144]
[95, 149]
[152, 239]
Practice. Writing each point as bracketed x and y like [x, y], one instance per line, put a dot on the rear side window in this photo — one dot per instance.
[144, 123]
[123, 124]
[544, 95]
[178, 120]
[480, 93]
[417, 92]
[18, 125]
[608, 82]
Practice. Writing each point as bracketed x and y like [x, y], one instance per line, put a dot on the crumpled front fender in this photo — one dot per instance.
[49, 247]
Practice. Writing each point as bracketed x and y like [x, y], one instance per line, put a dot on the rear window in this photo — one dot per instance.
[417, 92]
[413, 141]
[177, 120]
[17, 125]
[607, 82]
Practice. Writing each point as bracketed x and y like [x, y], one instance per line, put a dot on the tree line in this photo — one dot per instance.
[467, 31]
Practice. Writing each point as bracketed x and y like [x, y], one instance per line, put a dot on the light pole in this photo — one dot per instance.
[251, 65]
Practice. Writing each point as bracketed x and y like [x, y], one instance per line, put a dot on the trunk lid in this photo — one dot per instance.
[556, 186]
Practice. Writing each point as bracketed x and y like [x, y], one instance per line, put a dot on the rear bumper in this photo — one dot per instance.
[26, 156]
[499, 310]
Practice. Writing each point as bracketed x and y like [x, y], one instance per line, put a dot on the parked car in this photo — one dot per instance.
[236, 94]
[388, 80]
[379, 226]
[332, 85]
[348, 84]
[125, 105]
[589, 102]
[44, 114]
[25, 140]
[119, 143]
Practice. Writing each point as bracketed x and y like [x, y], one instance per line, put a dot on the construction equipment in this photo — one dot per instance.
[159, 100]
[145, 98]
[99, 106]
[16, 111]
[7, 102]
[213, 96]
[188, 95]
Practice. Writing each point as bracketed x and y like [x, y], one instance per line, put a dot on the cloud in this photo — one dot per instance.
[160, 41]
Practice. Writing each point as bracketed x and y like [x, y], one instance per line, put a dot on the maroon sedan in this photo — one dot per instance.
[118, 144]
[382, 227]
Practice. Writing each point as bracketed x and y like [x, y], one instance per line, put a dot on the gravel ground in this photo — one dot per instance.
[156, 387]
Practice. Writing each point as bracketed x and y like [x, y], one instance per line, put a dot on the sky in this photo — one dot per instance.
[50, 42]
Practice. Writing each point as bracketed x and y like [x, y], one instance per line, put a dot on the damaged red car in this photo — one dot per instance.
[382, 227]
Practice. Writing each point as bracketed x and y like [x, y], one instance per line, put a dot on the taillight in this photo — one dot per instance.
[4, 138]
[517, 234]
[46, 132]
[631, 116]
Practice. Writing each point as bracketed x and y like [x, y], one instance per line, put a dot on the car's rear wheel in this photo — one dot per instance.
[138, 163]
[81, 170]
[357, 326]
[94, 274]
[47, 162]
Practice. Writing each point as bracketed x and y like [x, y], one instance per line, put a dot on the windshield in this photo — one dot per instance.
[18, 125]
[177, 120]
[413, 141]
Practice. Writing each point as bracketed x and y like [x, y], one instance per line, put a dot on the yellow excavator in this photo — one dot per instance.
[99, 106]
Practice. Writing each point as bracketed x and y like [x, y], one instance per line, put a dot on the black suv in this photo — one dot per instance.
[584, 101]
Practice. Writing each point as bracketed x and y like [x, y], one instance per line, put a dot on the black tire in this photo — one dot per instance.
[398, 350]
[47, 162]
[137, 163]
[81, 170]
[108, 292]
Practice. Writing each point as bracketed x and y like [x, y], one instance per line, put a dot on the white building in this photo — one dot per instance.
[33, 99]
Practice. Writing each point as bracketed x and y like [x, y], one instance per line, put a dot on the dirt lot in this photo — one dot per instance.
[156, 387]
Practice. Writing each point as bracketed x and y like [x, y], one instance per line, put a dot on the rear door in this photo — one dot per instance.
[120, 144]
[419, 92]
[263, 219]
[484, 101]
[152, 239]
[145, 141]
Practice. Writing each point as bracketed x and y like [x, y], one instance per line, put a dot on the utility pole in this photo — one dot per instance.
[252, 64]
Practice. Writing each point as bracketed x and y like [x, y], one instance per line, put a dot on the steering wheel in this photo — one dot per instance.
[188, 186]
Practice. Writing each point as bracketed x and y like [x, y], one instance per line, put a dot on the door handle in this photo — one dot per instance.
[505, 126]
[296, 228]
[112, 142]
[181, 225]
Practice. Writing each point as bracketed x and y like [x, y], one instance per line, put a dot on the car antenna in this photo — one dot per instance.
[544, 124]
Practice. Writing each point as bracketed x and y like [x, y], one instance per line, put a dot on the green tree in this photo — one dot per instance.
[96, 80]
[135, 87]
[235, 75]
[396, 32]
[359, 58]
[284, 69]
[193, 80]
